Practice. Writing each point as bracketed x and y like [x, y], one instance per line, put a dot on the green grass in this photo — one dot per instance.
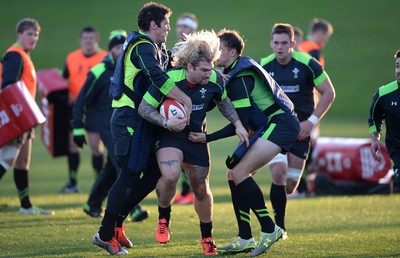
[357, 226]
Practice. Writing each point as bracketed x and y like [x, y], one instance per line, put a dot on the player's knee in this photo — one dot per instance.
[73, 148]
[201, 191]
[8, 155]
[290, 186]
[293, 178]
[278, 173]
[96, 146]
[239, 175]
[170, 179]
[96, 151]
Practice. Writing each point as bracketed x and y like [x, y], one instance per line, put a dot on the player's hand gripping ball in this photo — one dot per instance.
[171, 108]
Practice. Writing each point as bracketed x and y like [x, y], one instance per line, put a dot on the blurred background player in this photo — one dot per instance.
[386, 106]
[77, 65]
[319, 33]
[17, 65]
[298, 37]
[93, 97]
[298, 75]
[187, 23]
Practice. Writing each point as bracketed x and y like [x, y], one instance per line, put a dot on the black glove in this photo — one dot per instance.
[79, 137]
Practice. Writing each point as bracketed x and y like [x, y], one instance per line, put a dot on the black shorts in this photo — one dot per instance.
[301, 148]
[121, 137]
[283, 130]
[122, 124]
[193, 153]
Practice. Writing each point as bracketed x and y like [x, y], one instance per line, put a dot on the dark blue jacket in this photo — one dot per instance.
[117, 86]
[142, 139]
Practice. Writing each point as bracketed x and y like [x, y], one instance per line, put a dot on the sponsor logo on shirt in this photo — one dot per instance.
[290, 88]
[198, 107]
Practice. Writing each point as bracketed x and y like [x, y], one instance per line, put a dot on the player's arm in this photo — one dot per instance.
[327, 95]
[375, 121]
[84, 101]
[226, 108]
[227, 131]
[148, 111]
[238, 91]
[326, 92]
[12, 69]
[80, 107]
[97, 79]
[376, 115]
[144, 56]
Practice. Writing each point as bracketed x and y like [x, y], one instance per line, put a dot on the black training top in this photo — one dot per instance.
[386, 106]
[297, 79]
[201, 96]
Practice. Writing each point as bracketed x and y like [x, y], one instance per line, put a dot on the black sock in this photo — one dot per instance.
[106, 231]
[254, 197]
[73, 164]
[97, 163]
[164, 213]
[279, 200]
[120, 220]
[2, 171]
[185, 185]
[242, 212]
[21, 182]
[206, 229]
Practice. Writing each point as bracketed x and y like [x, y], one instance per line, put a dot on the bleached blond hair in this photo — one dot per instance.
[199, 46]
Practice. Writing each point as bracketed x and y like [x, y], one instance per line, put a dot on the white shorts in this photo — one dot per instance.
[280, 158]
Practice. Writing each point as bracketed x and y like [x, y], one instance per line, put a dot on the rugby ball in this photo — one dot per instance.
[170, 108]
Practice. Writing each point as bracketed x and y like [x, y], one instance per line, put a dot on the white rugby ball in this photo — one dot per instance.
[170, 108]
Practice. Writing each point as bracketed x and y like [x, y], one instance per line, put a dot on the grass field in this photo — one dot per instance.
[357, 226]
